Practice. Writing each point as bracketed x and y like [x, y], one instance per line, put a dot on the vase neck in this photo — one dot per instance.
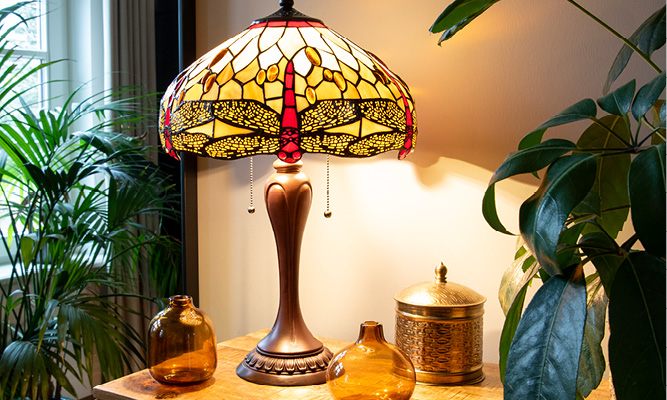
[370, 331]
[180, 301]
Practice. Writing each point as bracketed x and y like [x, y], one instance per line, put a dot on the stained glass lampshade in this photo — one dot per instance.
[287, 85]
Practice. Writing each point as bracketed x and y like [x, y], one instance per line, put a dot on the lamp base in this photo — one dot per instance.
[289, 355]
[285, 369]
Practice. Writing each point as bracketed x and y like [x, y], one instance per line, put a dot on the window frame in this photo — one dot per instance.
[71, 30]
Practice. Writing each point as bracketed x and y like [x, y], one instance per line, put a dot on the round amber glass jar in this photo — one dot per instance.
[181, 344]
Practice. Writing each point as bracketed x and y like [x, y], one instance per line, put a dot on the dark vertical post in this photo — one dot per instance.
[189, 212]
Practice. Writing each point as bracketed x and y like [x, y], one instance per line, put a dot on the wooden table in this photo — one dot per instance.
[225, 385]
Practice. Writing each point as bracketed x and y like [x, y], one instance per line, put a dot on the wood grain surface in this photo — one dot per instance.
[225, 385]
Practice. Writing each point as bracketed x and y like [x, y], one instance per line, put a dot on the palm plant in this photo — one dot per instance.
[72, 187]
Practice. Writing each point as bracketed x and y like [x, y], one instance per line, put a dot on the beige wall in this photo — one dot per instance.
[393, 222]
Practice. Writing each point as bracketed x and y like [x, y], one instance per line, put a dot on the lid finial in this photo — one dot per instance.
[441, 273]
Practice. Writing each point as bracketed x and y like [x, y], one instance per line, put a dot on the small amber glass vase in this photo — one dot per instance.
[371, 368]
[181, 344]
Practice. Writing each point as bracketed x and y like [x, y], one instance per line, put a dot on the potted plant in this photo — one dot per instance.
[69, 202]
[616, 168]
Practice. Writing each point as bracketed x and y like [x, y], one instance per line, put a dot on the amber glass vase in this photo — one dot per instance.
[181, 344]
[371, 368]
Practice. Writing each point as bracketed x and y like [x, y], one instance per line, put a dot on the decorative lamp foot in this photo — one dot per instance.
[286, 369]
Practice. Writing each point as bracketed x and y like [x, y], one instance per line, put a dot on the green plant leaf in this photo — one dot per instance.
[457, 15]
[22, 363]
[605, 255]
[637, 326]
[516, 276]
[490, 212]
[544, 357]
[543, 215]
[512, 319]
[647, 198]
[566, 250]
[648, 95]
[649, 37]
[591, 362]
[611, 182]
[532, 159]
[27, 251]
[532, 139]
[584, 109]
[519, 162]
[589, 205]
[619, 101]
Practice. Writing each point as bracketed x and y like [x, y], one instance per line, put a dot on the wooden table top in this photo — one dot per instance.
[225, 385]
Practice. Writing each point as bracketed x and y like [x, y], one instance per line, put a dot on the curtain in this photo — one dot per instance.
[132, 63]
[132, 49]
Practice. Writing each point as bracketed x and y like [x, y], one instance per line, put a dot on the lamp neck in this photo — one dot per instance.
[281, 166]
[286, 13]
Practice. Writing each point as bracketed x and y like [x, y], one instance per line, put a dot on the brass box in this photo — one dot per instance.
[439, 325]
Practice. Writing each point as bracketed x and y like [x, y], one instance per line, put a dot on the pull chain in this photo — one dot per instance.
[251, 209]
[327, 213]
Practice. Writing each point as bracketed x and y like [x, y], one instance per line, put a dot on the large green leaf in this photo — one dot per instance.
[516, 276]
[611, 183]
[24, 366]
[543, 215]
[510, 326]
[649, 37]
[584, 109]
[457, 15]
[648, 95]
[605, 255]
[519, 162]
[637, 326]
[658, 121]
[544, 357]
[591, 361]
[567, 249]
[647, 198]
[619, 101]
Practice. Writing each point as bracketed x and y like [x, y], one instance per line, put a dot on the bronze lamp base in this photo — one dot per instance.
[289, 355]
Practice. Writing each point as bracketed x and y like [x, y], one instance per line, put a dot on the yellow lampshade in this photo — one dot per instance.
[287, 85]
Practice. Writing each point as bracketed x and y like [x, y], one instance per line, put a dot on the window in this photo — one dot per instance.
[73, 31]
[27, 41]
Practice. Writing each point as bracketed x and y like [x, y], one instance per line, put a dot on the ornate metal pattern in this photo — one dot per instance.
[287, 366]
[452, 347]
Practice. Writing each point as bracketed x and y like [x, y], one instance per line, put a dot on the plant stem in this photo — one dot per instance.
[618, 35]
[615, 208]
[655, 131]
[597, 121]
[630, 242]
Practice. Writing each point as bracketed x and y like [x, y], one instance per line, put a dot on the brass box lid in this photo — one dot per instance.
[440, 299]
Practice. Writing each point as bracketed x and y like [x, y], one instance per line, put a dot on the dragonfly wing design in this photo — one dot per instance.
[225, 129]
[353, 128]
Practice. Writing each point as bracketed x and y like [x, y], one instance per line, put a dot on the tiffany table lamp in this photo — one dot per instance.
[287, 85]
